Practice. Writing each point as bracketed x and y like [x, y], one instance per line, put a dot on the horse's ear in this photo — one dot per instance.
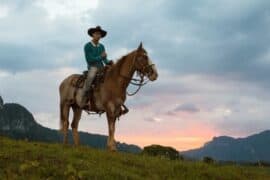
[140, 46]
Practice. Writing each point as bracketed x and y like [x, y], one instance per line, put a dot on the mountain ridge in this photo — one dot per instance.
[18, 123]
[252, 148]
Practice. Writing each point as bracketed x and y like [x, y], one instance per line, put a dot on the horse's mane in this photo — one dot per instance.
[121, 60]
[118, 64]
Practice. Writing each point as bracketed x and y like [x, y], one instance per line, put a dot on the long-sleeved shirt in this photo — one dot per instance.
[93, 53]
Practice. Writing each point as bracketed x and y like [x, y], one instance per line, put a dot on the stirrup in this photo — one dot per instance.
[88, 105]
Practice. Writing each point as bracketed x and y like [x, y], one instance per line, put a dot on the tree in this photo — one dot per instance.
[208, 160]
[162, 151]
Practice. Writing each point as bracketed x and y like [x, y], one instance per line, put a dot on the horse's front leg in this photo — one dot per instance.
[111, 144]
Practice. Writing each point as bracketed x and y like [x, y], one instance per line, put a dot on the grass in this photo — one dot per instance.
[35, 160]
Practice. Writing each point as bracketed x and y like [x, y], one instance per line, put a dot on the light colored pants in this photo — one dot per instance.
[90, 77]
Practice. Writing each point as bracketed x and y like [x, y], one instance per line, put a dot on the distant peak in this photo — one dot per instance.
[263, 133]
[220, 139]
[1, 102]
[223, 138]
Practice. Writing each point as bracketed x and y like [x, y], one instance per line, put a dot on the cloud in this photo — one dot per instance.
[4, 74]
[4, 11]
[187, 107]
[40, 43]
[47, 120]
[67, 7]
[154, 119]
[229, 43]
[36, 89]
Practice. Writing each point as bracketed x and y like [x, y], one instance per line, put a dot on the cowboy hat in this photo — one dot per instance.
[98, 28]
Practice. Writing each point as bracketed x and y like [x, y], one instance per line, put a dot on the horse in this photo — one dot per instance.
[110, 95]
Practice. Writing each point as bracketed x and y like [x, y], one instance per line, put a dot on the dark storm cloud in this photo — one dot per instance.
[186, 37]
[221, 42]
[208, 37]
[30, 40]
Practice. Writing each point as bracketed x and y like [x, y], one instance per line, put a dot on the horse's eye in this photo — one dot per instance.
[142, 57]
[145, 56]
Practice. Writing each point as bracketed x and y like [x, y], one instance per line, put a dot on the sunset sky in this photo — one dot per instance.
[213, 60]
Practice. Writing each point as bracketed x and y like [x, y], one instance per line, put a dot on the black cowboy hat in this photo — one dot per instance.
[98, 28]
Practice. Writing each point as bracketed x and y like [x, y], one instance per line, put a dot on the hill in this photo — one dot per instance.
[18, 123]
[32, 160]
[253, 148]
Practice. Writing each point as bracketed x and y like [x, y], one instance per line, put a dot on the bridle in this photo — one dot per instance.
[138, 82]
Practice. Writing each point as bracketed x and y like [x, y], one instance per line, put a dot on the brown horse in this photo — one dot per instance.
[110, 95]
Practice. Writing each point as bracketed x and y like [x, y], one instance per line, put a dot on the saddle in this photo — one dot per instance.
[98, 79]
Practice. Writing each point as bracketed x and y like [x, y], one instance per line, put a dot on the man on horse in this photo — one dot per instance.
[95, 56]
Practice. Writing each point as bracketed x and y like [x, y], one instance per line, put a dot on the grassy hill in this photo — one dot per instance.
[33, 160]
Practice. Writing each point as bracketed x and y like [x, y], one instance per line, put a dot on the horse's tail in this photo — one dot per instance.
[61, 108]
[61, 117]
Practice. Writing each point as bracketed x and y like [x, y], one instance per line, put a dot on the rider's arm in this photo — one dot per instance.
[105, 60]
[89, 56]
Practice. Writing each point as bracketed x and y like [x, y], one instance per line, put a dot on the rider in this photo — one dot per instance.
[95, 56]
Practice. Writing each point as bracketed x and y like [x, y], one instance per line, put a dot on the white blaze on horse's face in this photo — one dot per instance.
[154, 74]
[145, 65]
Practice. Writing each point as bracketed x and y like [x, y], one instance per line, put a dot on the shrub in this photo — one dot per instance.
[162, 151]
[208, 160]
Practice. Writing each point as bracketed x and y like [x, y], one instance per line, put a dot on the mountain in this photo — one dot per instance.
[1, 102]
[253, 148]
[18, 123]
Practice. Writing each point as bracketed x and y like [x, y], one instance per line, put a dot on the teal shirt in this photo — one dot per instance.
[93, 55]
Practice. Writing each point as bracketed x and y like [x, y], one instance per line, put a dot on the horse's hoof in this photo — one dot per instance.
[112, 148]
[65, 145]
[125, 111]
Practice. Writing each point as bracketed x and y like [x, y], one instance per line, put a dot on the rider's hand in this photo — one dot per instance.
[110, 62]
[103, 54]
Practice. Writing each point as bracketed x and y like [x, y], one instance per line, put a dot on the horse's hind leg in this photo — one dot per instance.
[77, 112]
[64, 118]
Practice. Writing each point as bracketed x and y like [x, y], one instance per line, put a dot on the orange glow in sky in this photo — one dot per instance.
[179, 143]
[194, 136]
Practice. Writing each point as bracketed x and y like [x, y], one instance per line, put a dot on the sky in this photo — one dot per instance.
[213, 60]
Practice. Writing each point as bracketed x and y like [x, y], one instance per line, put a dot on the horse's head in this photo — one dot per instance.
[144, 65]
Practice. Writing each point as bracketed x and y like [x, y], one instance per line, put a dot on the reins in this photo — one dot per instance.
[134, 81]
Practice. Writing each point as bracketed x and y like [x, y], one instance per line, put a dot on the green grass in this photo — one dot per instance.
[32, 160]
